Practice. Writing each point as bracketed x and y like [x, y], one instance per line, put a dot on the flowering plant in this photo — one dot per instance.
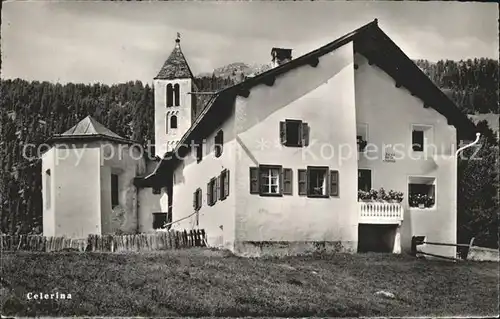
[380, 195]
[421, 199]
[363, 195]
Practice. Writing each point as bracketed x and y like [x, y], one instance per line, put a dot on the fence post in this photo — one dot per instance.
[468, 249]
[184, 238]
[415, 241]
[197, 238]
[202, 231]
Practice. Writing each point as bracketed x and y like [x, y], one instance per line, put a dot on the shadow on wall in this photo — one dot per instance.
[406, 228]
[179, 175]
[118, 219]
[307, 77]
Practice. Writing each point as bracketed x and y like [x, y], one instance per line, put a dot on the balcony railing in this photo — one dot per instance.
[380, 213]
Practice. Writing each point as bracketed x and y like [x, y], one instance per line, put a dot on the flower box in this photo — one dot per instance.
[380, 196]
[421, 201]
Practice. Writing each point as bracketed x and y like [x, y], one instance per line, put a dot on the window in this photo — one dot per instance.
[271, 180]
[173, 121]
[294, 133]
[224, 184]
[212, 191]
[48, 189]
[197, 199]
[176, 94]
[361, 136]
[417, 140]
[364, 179]
[421, 191]
[173, 95]
[169, 95]
[114, 190]
[219, 141]
[159, 220]
[318, 182]
[199, 152]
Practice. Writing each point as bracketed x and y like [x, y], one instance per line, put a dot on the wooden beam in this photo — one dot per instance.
[314, 62]
[203, 93]
[244, 92]
[269, 81]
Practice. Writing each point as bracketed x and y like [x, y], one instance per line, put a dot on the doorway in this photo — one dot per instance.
[377, 238]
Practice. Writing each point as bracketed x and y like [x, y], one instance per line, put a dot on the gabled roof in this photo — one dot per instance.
[89, 128]
[371, 42]
[176, 66]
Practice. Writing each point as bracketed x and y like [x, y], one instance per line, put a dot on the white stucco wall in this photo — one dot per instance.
[216, 220]
[183, 113]
[389, 113]
[322, 96]
[127, 162]
[77, 195]
[148, 203]
[48, 162]
[81, 181]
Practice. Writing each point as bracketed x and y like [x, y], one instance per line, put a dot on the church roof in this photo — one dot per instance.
[176, 66]
[89, 128]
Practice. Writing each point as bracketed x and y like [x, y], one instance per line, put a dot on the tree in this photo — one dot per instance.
[478, 197]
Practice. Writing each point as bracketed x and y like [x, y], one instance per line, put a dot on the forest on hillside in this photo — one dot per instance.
[31, 112]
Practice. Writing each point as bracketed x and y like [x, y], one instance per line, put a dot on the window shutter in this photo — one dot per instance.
[302, 178]
[287, 181]
[254, 180]
[304, 130]
[218, 194]
[334, 183]
[281, 179]
[226, 185]
[209, 194]
[199, 198]
[283, 133]
[195, 198]
[264, 176]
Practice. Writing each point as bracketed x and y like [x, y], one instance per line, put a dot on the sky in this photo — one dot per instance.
[115, 42]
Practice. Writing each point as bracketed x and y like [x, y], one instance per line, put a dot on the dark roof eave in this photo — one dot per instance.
[93, 137]
[158, 77]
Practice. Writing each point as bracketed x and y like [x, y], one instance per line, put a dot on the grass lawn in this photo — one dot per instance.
[198, 282]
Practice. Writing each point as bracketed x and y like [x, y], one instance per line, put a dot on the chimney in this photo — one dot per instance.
[280, 56]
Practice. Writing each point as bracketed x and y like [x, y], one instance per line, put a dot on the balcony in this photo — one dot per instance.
[372, 212]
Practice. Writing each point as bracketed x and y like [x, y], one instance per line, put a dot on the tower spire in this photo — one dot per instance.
[178, 40]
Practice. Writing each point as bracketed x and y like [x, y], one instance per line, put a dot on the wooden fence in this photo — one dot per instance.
[462, 249]
[161, 240]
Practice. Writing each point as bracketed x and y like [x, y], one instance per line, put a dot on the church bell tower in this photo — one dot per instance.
[172, 100]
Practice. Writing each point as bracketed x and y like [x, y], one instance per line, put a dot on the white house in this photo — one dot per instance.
[273, 164]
